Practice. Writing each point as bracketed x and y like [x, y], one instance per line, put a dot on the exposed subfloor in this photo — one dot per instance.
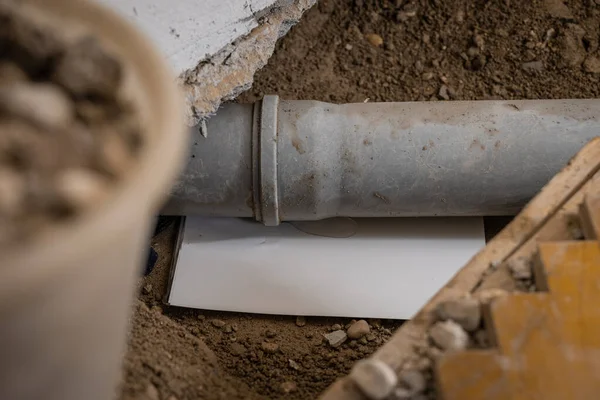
[344, 51]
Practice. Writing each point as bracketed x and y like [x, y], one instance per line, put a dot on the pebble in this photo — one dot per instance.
[427, 76]
[45, 105]
[592, 65]
[404, 16]
[300, 321]
[348, 46]
[12, 191]
[217, 323]
[448, 335]
[270, 333]
[78, 188]
[152, 392]
[228, 329]
[201, 317]
[374, 39]
[374, 378]
[269, 347]
[520, 268]
[336, 327]
[336, 338]
[413, 381]
[148, 288]
[443, 93]
[289, 387]
[533, 66]
[371, 337]
[237, 349]
[294, 365]
[465, 311]
[479, 41]
[358, 329]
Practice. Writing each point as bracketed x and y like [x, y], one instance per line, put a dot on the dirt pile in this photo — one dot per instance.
[352, 50]
[67, 133]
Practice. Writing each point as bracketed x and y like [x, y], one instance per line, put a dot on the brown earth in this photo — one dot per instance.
[342, 51]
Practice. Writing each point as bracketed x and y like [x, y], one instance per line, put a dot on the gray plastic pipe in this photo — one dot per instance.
[306, 160]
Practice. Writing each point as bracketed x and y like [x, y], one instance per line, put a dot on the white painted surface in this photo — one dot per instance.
[388, 269]
[189, 31]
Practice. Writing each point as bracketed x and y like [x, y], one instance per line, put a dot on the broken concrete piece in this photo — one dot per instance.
[465, 311]
[449, 335]
[214, 46]
[374, 378]
[336, 338]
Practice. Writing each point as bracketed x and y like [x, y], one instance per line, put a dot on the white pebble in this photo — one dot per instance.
[374, 378]
[448, 335]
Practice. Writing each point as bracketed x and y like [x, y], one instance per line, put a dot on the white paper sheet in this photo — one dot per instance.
[388, 269]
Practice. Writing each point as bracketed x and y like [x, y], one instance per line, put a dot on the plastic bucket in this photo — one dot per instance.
[65, 297]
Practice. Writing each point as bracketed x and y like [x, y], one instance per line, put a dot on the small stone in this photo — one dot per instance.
[460, 16]
[358, 329]
[448, 335]
[336, 338]
[152, 392]
[237, 349]
[300, 321]
[79, 189]
[348, 46]
[502, 33]
[533, 66]
[217, 323]
[374, 39]
[427, 76]
[413, 381]
[479, 41]
[465, 311]
[363, 340]
[592, 65]
[374, 378]
[289, 387]
[371, 337]
[443, 93]
[404, 16]
[520, 268]
[228, 329]
[270, 333]
[269, 347]
[294, 365]
[336, 327]
[45, 105]
[472, 52]
[148, 288]
[201, 317]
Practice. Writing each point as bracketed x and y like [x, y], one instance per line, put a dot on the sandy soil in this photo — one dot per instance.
[343, 51]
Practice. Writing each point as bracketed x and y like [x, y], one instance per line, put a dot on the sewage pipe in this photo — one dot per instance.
[279, 160]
